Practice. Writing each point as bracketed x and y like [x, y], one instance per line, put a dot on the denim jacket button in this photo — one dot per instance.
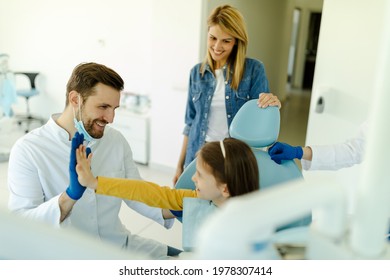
[228, 116]
[227, 97]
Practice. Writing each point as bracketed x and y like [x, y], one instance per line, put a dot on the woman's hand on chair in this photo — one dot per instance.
[268, 99]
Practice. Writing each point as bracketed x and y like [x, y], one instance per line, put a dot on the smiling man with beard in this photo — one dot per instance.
[38, 176]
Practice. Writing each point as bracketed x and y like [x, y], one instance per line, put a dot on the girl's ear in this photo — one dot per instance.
[224, 190]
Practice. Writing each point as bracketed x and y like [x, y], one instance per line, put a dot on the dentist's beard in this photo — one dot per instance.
[89, 127]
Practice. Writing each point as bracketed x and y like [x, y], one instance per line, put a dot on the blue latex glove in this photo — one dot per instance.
[282, 151]
[177, 214]
[75, 190]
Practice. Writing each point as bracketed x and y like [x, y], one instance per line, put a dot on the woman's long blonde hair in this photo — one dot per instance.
[232, 22]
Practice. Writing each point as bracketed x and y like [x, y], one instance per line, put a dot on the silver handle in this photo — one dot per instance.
[320, 105]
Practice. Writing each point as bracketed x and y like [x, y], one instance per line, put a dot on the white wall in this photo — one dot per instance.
[152, 44]
[52, 37]
[176, 41]
[347, 57]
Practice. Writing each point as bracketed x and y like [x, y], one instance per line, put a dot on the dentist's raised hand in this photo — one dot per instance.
[268, 99]
[75, 190]
[83, 168]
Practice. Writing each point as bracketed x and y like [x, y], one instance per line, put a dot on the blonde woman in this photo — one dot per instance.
[221, 84]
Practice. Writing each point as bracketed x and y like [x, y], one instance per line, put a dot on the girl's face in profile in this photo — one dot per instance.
[220, 45]
[206, 185]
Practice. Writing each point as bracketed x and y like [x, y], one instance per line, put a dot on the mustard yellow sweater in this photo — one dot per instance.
[144, 191]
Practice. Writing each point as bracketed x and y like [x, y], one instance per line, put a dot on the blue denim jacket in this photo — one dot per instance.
[200, 93]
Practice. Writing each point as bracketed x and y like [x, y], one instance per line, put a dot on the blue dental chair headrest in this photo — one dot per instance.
[258, 127]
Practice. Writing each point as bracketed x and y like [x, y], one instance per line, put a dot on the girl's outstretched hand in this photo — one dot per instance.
[83, 168]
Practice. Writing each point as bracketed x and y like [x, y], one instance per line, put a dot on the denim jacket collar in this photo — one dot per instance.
[207, 68]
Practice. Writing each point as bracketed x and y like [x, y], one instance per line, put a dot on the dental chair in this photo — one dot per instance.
[27, 93]
[259, 128]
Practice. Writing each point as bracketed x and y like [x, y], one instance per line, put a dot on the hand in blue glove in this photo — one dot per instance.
[75, 190]
[282, 151]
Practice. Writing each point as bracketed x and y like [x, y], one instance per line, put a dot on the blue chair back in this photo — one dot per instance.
[185, 179]
[259, 128]
[185, 182]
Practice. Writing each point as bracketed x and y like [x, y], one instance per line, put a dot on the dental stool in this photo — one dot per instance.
[28, 118]
[259, 128]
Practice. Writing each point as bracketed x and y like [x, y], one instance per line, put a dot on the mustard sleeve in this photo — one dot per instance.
[144, 191]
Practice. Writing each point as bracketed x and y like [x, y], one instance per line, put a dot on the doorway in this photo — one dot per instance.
[293, 45]
[301, 65]
[311, 50]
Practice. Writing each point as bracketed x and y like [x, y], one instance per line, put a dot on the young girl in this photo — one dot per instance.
[224, 169]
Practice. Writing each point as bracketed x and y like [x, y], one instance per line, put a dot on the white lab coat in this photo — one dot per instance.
[334, 157]
[38, 174]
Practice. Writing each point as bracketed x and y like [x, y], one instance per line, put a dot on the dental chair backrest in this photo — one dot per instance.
[259, 128]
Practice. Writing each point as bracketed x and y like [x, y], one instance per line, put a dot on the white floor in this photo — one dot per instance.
[294, 115]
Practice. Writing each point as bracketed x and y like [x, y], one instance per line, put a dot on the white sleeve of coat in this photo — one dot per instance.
[337, 156]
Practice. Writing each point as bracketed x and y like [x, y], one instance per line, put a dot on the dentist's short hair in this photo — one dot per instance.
[86, 76]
